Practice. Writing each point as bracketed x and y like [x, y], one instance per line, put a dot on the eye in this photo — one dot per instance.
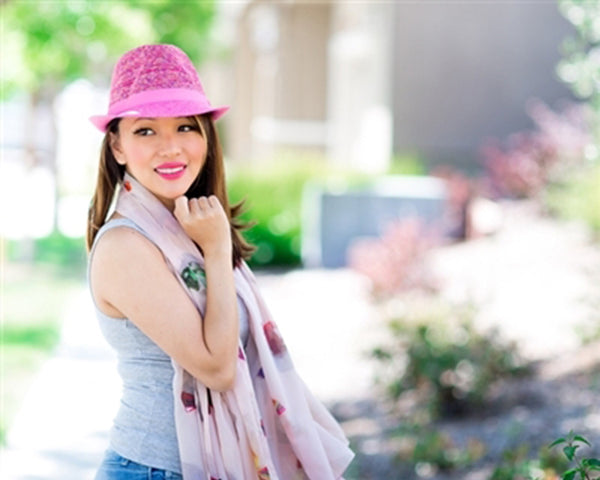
[188, 128]
[143, 132]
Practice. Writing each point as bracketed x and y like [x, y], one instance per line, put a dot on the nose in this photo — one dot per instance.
[169, 146]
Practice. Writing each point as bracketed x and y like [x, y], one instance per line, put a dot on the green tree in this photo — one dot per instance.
[47, 44]
[580, 67]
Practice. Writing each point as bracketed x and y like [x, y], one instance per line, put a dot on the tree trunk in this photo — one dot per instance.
[34, 157]
[53, 161]
[31, 155]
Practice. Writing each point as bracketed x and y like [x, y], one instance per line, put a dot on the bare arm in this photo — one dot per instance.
[205, 222]
[129, 276]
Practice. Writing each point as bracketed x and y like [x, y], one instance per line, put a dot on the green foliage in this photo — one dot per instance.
[55, 249]
[407, 165]
[516, 464]
[41, 336]
[183, 23]
[441, 356]
[582, 467]
[579, 68]
[273, 198]
[61, 250]
[577, 197]
[430, 451]
[47, 44]
[50, 41]
[435, 451]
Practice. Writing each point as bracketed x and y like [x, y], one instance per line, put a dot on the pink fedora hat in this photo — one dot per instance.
[155, 81]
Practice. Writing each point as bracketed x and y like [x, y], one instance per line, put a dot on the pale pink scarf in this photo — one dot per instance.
[268, 426]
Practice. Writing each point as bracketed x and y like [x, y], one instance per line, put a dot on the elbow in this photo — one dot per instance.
[220, 378]
[223, 379]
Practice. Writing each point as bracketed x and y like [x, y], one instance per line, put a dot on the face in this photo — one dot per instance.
[164, 154]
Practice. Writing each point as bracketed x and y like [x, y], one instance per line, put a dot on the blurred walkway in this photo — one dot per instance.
[62, 429]
[536, 280]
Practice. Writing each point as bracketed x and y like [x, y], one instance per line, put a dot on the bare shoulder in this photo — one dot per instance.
[123, 258]
[123, 243]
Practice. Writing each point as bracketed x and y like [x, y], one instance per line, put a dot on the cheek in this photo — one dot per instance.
[135, 155]
[199, 153]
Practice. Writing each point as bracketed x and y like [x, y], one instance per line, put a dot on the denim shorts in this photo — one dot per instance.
[116, 467]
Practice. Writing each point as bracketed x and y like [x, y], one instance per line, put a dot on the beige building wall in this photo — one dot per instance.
[356, 81]
[281, 75]
[359, 115]
[464, 71]
[302, 57]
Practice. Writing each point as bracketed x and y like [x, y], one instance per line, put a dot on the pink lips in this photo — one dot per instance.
[171, 170]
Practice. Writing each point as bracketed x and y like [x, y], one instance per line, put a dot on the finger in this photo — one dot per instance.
[181, 207]
[215, 203]
[203, 203]
[194, 206]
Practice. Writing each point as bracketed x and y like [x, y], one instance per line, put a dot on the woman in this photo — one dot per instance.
[209, 390]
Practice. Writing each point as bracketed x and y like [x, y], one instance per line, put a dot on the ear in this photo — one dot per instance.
[115, 146]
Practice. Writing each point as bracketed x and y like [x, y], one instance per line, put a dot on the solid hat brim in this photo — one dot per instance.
[173, 108]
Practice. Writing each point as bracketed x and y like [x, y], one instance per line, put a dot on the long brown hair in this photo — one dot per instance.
[210, 181]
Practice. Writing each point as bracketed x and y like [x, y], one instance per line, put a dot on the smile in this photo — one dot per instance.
[171, 171]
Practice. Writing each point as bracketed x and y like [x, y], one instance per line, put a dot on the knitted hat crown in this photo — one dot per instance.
[155, 81]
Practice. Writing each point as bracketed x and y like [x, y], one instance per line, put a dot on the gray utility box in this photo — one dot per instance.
[334, 218]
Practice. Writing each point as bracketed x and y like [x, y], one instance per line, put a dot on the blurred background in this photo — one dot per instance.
[432, 165]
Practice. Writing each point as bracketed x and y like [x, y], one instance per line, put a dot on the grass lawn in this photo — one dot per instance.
[34, 298]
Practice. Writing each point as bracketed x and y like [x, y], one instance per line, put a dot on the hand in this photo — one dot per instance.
[205, 222]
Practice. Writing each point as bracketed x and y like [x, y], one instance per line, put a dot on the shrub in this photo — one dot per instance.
[577, 197]
[407, 164]
[395, 262]
[524, 164]
[273, 198]
[56, 249]
[585, 467]
[435, 451]
[441, 357]
[517, 465]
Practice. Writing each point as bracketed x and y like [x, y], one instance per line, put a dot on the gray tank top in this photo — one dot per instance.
[144, 428]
